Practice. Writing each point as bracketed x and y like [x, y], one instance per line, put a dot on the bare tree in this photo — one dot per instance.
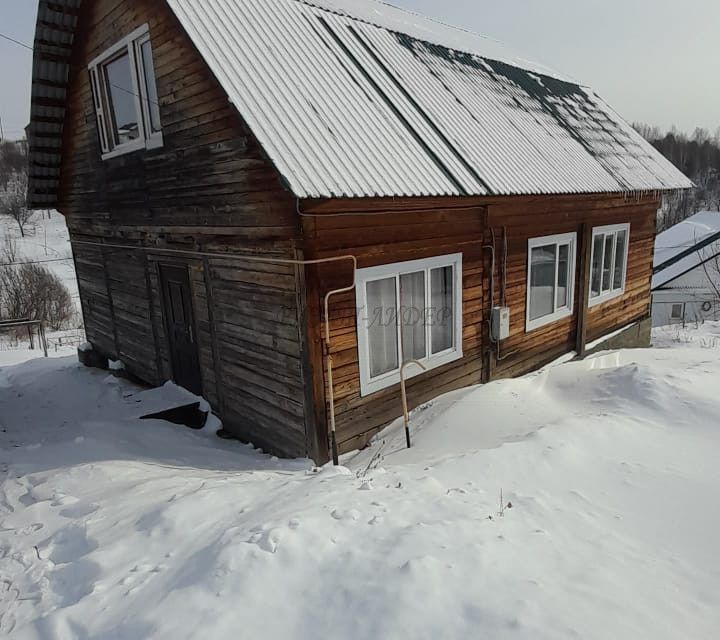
[31, 291]
[14, 202]
[13, 159]
[711, 268]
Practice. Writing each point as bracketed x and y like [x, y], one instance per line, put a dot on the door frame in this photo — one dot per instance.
[180, 266]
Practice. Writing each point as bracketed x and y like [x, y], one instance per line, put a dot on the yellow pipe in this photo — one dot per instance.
[406, 414]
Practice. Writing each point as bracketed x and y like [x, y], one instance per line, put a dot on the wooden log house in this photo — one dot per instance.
[224, 165]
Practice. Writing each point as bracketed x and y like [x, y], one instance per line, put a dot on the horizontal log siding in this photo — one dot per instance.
[418, 228]
[209, 188]
[533, 218]
[432, 229]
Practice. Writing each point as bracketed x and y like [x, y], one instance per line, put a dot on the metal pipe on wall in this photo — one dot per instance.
[406, 414]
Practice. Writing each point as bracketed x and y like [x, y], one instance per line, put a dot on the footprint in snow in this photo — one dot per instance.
[74, 581]
[79, 511]
[346, 514]
[62, 500]
[68, 545]
[30, 529]
[266, 540]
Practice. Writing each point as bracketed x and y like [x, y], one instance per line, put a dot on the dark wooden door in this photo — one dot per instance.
[180, 327]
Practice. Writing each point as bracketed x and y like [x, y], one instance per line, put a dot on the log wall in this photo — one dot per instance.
[209, 188]
[388, 231]
[408, 229]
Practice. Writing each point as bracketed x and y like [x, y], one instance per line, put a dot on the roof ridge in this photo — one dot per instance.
[318, 4]
[512, 57]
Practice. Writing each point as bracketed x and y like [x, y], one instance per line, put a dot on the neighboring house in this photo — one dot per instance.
[223, 164]
[686, 275]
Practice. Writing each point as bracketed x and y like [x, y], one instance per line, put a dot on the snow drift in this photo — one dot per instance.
[114, 528]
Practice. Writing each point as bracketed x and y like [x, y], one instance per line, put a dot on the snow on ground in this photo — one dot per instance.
[21, 354]
[112, 528]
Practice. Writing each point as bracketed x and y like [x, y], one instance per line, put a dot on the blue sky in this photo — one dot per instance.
[656, 61]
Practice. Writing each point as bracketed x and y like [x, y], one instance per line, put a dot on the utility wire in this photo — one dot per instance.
[18, 264]
[22, 44]
[114, 86]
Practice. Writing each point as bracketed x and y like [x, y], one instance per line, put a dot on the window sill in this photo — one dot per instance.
[390, 379]
[533, 325]
[605, 297]
[131, 147]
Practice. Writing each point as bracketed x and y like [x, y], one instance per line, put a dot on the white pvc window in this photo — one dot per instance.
[408, 311]
[608, 262]
[551, 279]
[125, 96]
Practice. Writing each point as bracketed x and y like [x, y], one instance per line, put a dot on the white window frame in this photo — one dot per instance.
[613, 293]
[146, 138]
[369, 385]
[559, 312]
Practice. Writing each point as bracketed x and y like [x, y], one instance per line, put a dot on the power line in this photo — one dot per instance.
[18, 264]
[22, 44]
[114, 86]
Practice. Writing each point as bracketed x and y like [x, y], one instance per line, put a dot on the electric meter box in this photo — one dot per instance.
[500, 324]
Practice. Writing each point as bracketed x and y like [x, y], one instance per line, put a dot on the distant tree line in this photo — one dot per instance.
[698, 157]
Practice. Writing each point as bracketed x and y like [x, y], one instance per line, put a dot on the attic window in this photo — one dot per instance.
[125, 96]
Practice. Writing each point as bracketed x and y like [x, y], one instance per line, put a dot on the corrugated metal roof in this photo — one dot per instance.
[346, 106]
[429, 30]
[355, 98]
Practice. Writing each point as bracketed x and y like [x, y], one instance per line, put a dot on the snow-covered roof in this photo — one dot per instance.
[421, 27]
[685, 246]
[347, 100]
[355, 98]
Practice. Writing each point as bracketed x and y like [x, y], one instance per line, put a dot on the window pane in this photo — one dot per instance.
[542, 281]
[412, 315]
[122, 100]
[596, 276]
[382, 326]
[620, 250]
[151, 86]
[607, 263]
[442, 312]
[563, 276]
